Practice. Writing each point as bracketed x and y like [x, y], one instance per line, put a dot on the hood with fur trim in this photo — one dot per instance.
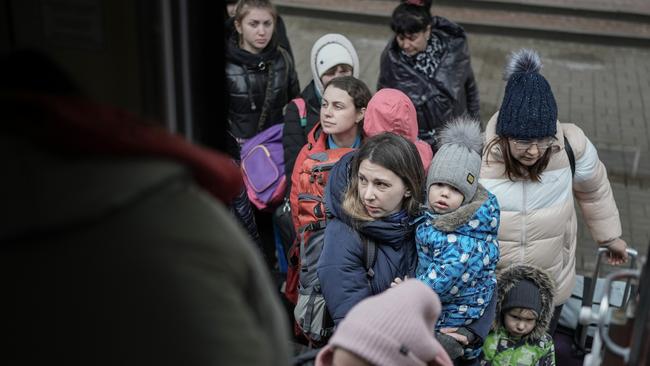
[451, 221]
[507, 279]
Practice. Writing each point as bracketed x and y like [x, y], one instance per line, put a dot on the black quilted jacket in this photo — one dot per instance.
[246, 79]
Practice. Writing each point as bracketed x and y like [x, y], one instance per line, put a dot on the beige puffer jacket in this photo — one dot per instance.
[538, 220]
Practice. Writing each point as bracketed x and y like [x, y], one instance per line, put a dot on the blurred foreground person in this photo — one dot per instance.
[117, 247]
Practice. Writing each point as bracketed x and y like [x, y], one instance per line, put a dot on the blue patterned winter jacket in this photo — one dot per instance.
[457, 257]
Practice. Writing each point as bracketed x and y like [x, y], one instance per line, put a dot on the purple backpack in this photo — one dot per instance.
[262, 163]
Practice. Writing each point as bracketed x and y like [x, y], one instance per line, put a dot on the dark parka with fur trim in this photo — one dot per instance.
[452, 92]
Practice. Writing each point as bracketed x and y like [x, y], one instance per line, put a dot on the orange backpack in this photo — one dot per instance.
[310, 218]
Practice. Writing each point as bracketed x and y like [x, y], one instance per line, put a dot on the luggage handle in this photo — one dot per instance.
[602, 319]
[588, 298]
[632, 254]
[585, 316]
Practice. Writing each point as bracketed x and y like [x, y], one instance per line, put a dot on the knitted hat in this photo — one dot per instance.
[524, 294]
[390, 110]
[330, 50]
[395, 327]
[458, 160]
[528, 110]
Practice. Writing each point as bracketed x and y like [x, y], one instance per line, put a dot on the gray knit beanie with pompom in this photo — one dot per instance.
[458, 160]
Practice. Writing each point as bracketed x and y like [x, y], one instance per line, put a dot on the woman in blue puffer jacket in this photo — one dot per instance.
[372, 195]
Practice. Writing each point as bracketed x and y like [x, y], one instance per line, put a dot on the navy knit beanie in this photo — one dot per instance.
[528, 110]
[524, 294]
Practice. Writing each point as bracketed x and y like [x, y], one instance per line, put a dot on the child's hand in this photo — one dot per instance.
[453, 332]
[397, 281]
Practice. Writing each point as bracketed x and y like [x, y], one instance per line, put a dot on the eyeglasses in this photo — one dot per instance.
[524, 145]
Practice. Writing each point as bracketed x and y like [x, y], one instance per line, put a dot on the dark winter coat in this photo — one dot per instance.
[247, 75]
[341, 268]
[452, 92]
[294, 136]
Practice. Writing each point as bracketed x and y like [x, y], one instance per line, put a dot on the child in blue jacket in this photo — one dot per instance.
[456, 236]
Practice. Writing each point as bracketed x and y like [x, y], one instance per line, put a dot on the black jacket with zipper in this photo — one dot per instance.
[247, 75]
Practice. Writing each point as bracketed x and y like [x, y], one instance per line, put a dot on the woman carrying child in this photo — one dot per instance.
[372, 195]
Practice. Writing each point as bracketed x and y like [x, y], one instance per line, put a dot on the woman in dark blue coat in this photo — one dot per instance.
[372, 195]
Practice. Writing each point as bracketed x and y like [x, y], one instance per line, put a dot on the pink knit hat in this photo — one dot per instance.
[390, 110]
[395, 327]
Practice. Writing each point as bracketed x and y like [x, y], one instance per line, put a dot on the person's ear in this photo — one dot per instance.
[238, 26]
[407, 193]
[360, 114]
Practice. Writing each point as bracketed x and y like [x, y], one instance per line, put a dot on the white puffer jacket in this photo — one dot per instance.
[538, 219]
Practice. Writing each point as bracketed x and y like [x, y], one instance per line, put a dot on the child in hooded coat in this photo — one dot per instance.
[525, 308]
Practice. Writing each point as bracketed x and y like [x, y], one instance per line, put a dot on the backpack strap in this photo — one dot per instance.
[369, 256]
[267, 95]
[302, 110]
[572, 158]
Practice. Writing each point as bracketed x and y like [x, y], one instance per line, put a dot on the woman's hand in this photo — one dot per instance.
[617, 251]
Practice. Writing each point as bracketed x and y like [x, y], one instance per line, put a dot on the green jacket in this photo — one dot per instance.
[501, 350]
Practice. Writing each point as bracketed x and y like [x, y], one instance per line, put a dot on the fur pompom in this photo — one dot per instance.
[522, 61]
[464, 131]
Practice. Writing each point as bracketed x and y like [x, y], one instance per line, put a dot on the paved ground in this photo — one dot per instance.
[596, 21]
[614, 6]
[603, 89]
